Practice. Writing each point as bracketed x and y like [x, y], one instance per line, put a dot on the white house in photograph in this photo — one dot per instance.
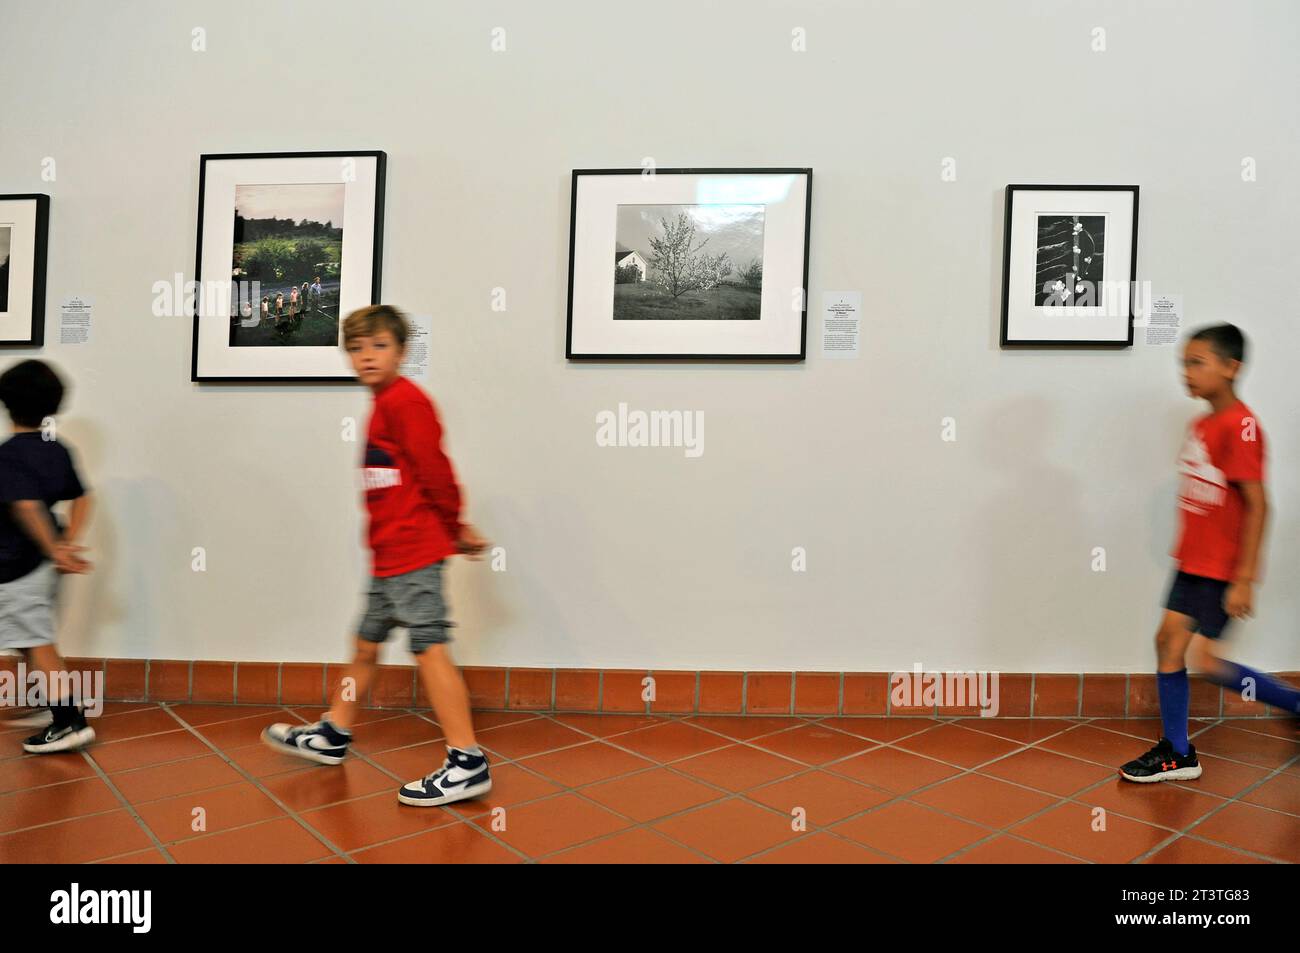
[624, 256]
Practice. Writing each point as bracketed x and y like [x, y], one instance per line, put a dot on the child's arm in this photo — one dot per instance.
[419, 433]
[78, 517]
[1239, 599]
[35, 520]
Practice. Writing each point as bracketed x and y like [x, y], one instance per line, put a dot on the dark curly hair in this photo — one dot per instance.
[31, 391]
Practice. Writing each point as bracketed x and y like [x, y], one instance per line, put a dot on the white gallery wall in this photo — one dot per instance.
[971, 553]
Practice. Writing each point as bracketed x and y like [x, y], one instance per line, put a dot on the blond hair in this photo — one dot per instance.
[367, 322]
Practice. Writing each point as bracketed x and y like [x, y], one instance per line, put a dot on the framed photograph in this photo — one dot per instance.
[24, 238]
[688, 264]
[1068, 264]
[289, 243]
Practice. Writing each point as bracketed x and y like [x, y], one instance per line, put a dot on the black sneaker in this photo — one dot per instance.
[461, 777]
[68, 731]
[321, 742]
[1163, 763]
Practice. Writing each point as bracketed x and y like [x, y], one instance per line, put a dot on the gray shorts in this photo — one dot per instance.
[413, 600]
[27, 608]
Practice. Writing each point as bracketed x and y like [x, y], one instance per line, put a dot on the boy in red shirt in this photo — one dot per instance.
[414, 508]
[1223, 508]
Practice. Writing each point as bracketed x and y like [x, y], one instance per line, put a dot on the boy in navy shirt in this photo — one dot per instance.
[37, 472]
[1222, 509]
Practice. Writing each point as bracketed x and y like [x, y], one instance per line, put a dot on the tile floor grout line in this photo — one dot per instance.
[257, 784]
[1276, 772]
[64, 820]
[808, 769]
[1022, 746]
[103, 775]
[1264, 858]
[948, 858]
[566, 788]
[635, 824]
[906, 796]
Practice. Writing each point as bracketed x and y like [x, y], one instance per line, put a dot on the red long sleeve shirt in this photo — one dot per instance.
[410, 486]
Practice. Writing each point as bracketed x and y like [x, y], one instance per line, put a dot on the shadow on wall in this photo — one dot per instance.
[141, 540]
[1167, 431]
[88, 604]
[1044, 561]
[486, 599]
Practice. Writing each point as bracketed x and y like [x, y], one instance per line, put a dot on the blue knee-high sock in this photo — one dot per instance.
[1174, 694]
[1267, 689]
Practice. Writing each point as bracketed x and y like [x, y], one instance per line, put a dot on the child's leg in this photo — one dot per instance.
[67, 729]
[362, 671]
[46, 658]
[1239, 678]
[464, 774]
[1172, 639]
[446, 688]
[65, 711]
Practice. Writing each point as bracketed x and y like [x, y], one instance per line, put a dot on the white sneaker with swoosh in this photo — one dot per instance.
[318, 742]
[461, 777]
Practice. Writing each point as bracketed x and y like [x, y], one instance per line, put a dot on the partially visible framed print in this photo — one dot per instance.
[24, 240]
[288, 244]
[1068, 266]
[703, 264]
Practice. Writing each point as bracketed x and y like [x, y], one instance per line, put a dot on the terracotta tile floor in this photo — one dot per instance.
[193, 784]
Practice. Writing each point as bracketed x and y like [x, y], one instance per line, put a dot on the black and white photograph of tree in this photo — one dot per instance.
[688, 262]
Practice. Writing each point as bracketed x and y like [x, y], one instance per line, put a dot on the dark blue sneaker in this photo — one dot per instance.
[1163, 763]
[461, 777]
[321, 742]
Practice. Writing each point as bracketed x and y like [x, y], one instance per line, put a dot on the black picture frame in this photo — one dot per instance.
[792, 357]
[381, 160]
[1003, 338]
[40, 260]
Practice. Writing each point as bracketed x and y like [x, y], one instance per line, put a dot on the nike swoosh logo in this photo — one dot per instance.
[306, 741]
[473, 779]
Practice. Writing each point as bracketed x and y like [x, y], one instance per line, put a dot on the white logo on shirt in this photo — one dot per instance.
[378, 478]
[1204, 487]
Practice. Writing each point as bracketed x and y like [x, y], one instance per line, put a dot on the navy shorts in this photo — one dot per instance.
[414, 600]
[1201, 598]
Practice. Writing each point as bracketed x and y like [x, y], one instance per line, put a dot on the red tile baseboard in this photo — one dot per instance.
[1020, 695]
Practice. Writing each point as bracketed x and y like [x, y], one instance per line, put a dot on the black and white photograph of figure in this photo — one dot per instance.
[286, 265]
[688, 262]
[1070, 257]
[5, 232]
